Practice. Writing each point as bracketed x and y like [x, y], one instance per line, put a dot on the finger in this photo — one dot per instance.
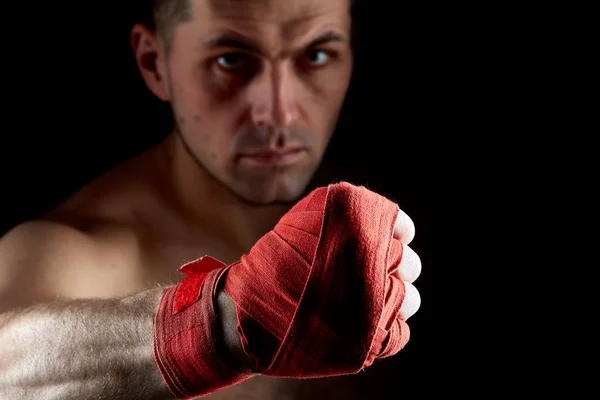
[409, 268]
[411, 303]
[404, 228]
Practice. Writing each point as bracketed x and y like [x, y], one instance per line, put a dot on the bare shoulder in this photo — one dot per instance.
[114, 195]
[40, 240]
[34, 249]
[90, 246]
[46, 260]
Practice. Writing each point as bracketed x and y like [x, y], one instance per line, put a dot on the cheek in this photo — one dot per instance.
[198, 93]
[202, 110]
[327, 94]
[338, 81]
[200, 123]
[331, 83]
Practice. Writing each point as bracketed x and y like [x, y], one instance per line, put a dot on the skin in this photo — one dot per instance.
[244, 78]
[253, 123]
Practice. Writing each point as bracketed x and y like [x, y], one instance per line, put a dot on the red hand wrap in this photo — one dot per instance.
[185, 347]
[315, 296]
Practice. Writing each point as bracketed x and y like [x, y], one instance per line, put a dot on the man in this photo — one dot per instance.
[256, 88]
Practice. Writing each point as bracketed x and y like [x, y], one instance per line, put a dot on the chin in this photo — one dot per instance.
[272, 191]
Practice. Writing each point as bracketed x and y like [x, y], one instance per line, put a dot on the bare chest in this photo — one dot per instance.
[160, 263]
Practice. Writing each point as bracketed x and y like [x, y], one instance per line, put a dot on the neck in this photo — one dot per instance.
[207, 205]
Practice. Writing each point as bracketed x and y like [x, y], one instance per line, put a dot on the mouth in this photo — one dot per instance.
[271, 158]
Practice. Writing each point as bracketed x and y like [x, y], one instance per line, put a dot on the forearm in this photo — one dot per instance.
[100, 349]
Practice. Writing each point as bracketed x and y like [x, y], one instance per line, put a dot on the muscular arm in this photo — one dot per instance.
[77, 348]
[101, 349]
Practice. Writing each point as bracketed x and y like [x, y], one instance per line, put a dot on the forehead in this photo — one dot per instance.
[284, 19]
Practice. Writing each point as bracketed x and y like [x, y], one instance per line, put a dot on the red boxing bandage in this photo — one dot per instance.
[316, 296]
[186, 330]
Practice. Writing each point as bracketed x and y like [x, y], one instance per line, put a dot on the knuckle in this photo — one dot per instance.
[411, 302]
[410, 265]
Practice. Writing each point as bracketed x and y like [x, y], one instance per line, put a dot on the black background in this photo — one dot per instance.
[76, 107]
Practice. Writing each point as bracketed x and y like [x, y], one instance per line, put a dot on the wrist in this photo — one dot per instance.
[231, 345]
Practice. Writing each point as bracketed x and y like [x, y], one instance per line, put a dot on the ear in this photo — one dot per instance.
[151, 60]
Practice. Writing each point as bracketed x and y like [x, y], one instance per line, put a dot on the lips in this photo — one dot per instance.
[270, 157]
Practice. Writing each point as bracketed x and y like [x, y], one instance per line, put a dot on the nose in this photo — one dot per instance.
[273, 97]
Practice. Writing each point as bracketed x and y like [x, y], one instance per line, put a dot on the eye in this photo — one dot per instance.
[317, 58]
[232, 61]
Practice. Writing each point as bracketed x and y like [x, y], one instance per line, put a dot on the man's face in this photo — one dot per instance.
[257, 86]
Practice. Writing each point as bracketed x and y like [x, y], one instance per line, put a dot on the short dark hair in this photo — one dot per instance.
[168, 13]
[165, 14]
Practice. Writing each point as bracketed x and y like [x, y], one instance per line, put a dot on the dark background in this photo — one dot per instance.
[76, 107]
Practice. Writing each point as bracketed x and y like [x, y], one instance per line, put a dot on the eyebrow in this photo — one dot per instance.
[234, 40]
